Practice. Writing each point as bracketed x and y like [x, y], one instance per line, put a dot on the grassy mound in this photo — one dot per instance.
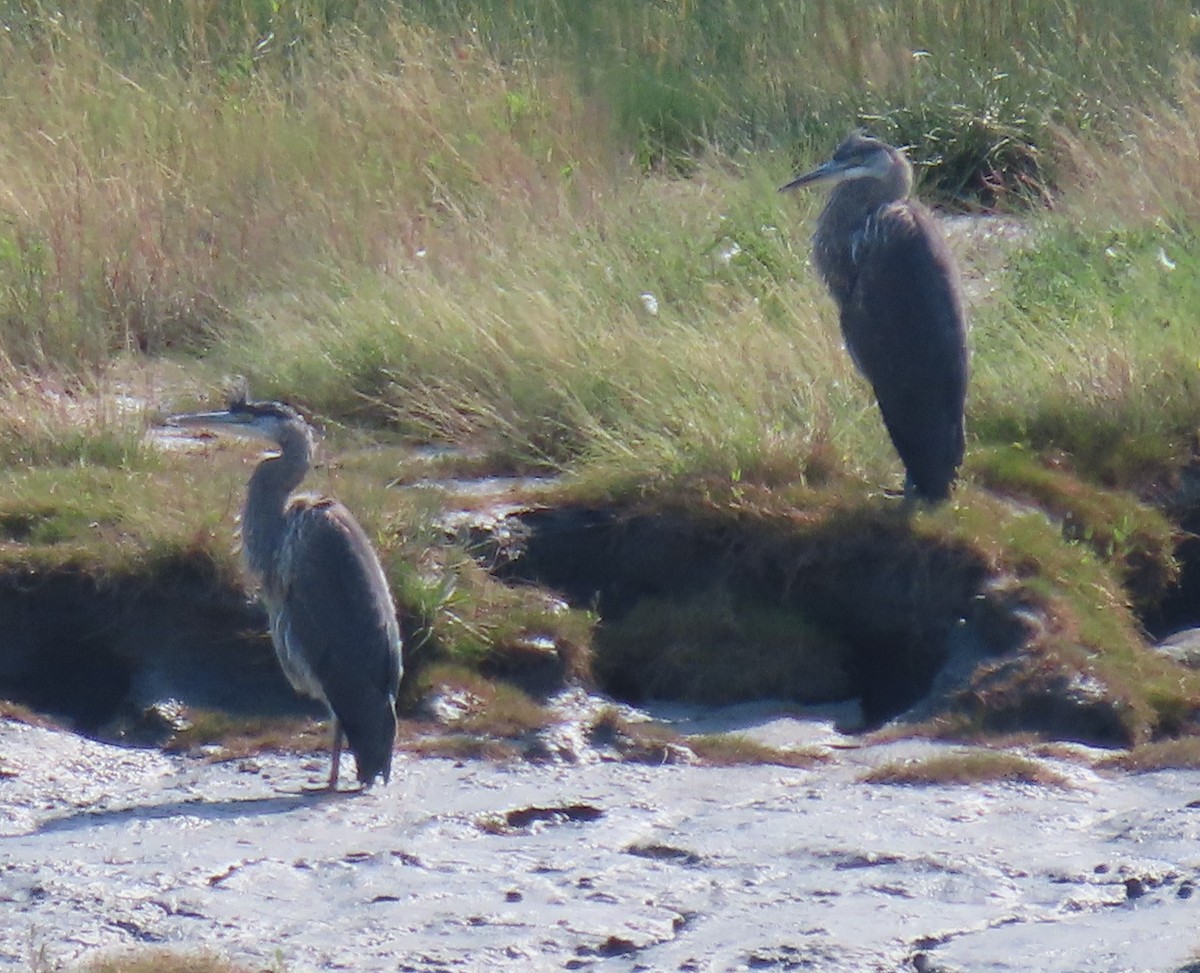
[546, 237]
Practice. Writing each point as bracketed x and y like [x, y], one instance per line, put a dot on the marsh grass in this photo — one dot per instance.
[161, 961]
[237, 737]
[1136, 538]
[109, 522]
[61, 420]
[418, 225]
[734, 749]
[640, 741]
[966, 767]
[445, 223]
[10, 710]
[1180, 754]
[460, 746]
[1090, 636]
[974, 89]
[1087, 352]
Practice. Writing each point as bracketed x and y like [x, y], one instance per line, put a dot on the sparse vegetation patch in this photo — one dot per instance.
[1180, 754]
[967, 767]
[162, 961]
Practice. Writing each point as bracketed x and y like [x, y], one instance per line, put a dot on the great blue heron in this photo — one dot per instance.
[885, 262]
[333, 623]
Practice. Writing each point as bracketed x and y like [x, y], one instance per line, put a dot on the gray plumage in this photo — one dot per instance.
[884, 260]
[333, 622]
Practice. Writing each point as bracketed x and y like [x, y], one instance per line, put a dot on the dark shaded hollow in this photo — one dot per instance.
[890, 597]
[97, 654]
[1180, 608]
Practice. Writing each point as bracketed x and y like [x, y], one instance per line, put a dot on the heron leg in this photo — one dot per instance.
[335, 762]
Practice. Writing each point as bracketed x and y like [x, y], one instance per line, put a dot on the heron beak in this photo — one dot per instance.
[831, 171]
[222, 418]
[224, 421]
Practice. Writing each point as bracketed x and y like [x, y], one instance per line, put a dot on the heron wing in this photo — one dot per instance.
[337, 617]
[904, 325]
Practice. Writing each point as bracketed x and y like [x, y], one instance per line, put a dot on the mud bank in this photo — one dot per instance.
[597, 865]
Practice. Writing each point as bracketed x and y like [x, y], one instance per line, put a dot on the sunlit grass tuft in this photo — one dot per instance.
[734, 749]
[224, 736]
[966, 767]
[1181, 754]
[161, 961]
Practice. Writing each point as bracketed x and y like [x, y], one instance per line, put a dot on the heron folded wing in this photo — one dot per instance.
[338, 612]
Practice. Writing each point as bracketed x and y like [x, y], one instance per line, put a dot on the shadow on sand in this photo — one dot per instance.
[280, 803]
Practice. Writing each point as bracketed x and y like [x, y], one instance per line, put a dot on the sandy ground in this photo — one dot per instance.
[592, 865]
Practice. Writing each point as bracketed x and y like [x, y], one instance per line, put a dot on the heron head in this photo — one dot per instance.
[859, 157]
[272, 422]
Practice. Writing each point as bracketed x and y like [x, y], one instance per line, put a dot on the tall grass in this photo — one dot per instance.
[141, 216]
[639, 326]
[972, 83]
[450, 217]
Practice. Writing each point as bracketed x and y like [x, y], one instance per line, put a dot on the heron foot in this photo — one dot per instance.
[332, 787]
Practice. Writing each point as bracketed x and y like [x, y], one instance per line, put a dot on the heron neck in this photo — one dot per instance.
[263, 517]
[846, 219]
[853, 201]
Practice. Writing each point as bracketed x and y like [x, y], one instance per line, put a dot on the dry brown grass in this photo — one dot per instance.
[223, 736]
[1181, 754]
[10, 710]
[476, 706]
[735, 749]
[147, 227]
[163, 961]
[459, 746]
[966, 767]
[641, 741]
[1153, 172]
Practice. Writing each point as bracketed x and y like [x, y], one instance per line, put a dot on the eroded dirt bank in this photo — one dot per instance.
[479, 866]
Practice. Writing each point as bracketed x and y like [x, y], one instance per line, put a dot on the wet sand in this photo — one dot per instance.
[596, 864]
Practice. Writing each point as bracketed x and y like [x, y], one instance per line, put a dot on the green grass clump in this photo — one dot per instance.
[1136, 538]
[459, 615]
[1089, 644]
[967, 767]
[712, 649]
[111, 522]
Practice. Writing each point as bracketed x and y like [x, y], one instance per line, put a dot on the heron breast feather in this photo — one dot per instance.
[293, 659]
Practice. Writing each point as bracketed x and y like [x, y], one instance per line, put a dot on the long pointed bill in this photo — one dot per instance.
[826, 172]
[221, 419]
[232, 421]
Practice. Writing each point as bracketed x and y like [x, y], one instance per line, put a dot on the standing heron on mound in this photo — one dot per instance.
[333, 623]
[885, 262]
